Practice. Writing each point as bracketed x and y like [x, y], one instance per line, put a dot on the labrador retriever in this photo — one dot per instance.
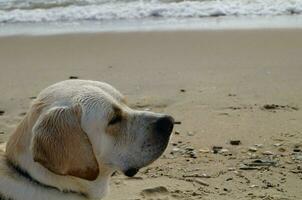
[74, 136]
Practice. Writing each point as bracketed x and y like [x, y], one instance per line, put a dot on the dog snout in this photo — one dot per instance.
[164, 125]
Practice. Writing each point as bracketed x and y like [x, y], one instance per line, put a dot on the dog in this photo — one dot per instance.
[76, 134]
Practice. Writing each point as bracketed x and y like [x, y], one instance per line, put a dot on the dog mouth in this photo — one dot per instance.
[131, 172]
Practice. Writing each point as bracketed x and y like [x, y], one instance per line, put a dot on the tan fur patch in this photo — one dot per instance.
[60, 144]
[115, 129]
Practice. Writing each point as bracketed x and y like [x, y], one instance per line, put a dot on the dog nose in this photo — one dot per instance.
[164, 125]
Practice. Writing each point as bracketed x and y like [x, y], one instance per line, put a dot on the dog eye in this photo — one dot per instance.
[115, 119]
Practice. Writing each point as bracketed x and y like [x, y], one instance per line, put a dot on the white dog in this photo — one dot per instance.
[75, 135]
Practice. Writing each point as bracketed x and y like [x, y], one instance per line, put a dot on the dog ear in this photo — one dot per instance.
[61, 146]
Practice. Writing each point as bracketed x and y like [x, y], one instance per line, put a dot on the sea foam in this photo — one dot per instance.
[16, 11]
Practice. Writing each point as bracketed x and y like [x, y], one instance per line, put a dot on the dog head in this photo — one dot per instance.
[85, 129]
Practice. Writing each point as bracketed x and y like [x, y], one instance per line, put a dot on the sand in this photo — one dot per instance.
[221, 84]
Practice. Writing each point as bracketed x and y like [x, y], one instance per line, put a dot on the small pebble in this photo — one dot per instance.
[253, 149]
[193, 155]
[204, 150]
[190, 133]
[216, 149]
[205, 176]
[195, 194]
[2, 112]
[258, 145]
[201, 182]
[224, 150]
[189, 149]
[281, 149]
[182, 90]
[235, 142]
[175, 149]
[254, 186]
[73, 77]
[268, 153]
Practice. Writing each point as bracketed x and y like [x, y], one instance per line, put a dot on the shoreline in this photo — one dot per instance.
[153, 25]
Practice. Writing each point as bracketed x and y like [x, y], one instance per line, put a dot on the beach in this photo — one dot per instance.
[222, 85]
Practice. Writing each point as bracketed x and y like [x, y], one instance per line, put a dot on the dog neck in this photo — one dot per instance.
[16, 184]
[52, 190]
[24, 174]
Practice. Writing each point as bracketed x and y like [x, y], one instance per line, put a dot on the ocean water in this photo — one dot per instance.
[32, 11]
[69, 16]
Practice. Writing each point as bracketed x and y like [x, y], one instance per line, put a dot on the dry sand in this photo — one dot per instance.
[216, 83]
